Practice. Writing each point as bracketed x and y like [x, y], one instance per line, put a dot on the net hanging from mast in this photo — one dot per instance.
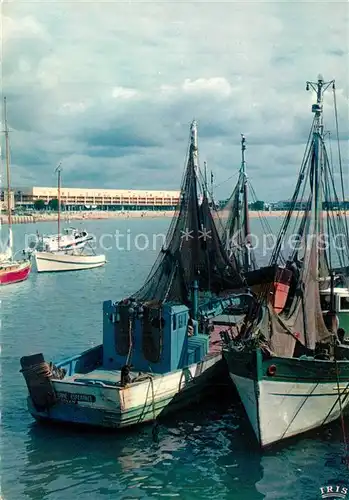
[192, 249]
[311, 257]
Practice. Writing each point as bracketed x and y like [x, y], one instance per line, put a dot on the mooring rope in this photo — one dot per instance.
[345, 458]
[130, 344]
[42, 369]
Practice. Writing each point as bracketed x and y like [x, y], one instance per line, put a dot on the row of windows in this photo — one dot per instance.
[118, 201]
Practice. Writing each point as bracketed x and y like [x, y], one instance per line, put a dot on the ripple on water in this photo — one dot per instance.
[207, 452]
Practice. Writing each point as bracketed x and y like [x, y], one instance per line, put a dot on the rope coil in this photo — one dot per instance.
[42, 369]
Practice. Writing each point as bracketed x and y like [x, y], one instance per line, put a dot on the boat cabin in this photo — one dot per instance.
[150, 336]
[341, 297]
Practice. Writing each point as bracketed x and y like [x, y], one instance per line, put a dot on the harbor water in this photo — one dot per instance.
[205, 452]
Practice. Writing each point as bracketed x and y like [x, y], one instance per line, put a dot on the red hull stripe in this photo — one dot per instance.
[14, 275]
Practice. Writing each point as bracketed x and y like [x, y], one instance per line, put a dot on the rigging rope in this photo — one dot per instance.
[345, 458]
[339, 149]
[130, 343]
[302, 175]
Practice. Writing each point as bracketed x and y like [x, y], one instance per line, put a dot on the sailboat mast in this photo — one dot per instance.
[7, 152]
[59, 170]
[318, 139]
[247, 258]
[205, 177]
[194, 145]
[319, 88]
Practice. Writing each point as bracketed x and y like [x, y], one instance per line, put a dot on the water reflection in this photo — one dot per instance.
[198, 455]
[206, 452]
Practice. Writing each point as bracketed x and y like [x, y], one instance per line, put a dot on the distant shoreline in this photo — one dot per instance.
[134, 214]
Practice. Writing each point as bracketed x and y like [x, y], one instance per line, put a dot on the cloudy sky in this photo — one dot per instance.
[110, 88]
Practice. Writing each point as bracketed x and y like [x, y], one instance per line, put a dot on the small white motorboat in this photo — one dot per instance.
[65, 252]
[69, 261]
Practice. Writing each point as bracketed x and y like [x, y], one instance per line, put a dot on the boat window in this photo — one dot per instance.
[152, 335]
[344, 304]
[325, 302]
[174, 322]
[180, 321]
[122, 331]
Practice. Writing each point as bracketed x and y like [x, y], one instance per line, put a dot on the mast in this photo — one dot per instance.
[247, 259]
[194, 144]
[205, 177]
[7, 152]
[320, 88]
[9, 208]
[59, 170]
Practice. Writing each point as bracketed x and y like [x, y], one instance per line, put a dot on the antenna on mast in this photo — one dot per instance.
[243, 149]
[212, 186]
[194, 144]
[205, 177]
[319, 88]
[247, 245]
[58, 170]
[7, 153]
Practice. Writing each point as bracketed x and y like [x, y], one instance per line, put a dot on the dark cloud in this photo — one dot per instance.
[111, 89]
[109, 152]
[118, 137]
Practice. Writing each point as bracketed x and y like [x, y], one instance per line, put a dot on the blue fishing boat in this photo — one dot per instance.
[160, 349]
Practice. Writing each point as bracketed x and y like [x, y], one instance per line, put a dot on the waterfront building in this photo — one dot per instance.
[97, 199]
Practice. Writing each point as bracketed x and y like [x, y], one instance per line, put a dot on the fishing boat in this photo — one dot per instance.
[67, 251]
[159, 351]
[274, 280]
[290, 368]
[11, 270]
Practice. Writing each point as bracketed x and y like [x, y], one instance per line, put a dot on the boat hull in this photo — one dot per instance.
[55, 262]
[15, 273]
[140, 402]
[300, 395]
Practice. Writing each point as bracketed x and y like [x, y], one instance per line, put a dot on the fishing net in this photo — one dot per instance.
[232, 232]
[311, 257]
[192, 250]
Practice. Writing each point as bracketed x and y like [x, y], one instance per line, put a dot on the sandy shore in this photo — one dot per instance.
[68, 217]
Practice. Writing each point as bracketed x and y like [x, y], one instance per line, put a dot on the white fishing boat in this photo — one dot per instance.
[291, 368]
[67, 251]
[60, 261]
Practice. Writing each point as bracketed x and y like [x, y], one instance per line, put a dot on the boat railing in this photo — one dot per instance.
[83, 362]
[238, 303]
[68, 364]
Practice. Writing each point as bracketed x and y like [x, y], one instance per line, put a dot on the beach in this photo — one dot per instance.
[134, 214]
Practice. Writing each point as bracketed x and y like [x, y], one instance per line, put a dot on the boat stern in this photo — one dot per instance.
[64, 392]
